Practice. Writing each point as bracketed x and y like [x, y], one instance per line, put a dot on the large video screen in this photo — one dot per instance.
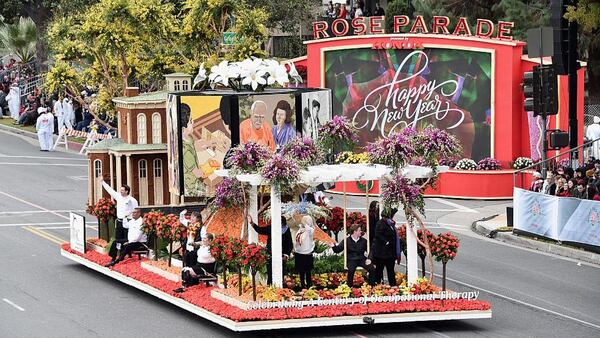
[382, 91]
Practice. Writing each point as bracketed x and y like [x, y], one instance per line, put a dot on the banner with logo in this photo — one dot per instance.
[382, 91]
[559, 218]
[536, 213]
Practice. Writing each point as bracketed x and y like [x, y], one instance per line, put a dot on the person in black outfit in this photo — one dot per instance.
[373, 219]
[286, 243]
[356, 254]
[378, 10]
[386, 248]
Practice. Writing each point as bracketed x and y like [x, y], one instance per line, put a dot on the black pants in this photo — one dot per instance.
[353, 264]
[304, 266]
[126, 249]
[388, 264]
[189, 257]
[200, 269]
[120, 232]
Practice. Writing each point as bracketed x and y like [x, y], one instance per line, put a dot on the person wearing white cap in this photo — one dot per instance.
[45, 128]
[593, 133]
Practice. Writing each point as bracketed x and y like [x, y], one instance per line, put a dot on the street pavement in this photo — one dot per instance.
[44, 295]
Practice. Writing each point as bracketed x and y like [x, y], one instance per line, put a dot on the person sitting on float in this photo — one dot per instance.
[136, 239]
[304, 246]
[356, 254]
[286, 243]
[195, 232]
[386, 249]
[204, 267]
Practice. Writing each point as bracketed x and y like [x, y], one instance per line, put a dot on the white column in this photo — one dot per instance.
[112, 172]
[411, 252]
[129, 169]
[119, 171]
[276, 238]
[253, 212]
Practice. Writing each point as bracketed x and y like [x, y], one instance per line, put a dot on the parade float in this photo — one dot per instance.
[263, 182]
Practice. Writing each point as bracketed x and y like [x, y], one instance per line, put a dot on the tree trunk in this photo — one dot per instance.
[422, 266]
[39, 14]
[155, 247]
[224, 276]
[253, 285]
[444, 276]
[170, 251]
[239, 267]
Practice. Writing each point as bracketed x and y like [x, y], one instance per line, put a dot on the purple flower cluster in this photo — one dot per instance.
[395, 151]
[248, 157]
[303, 150]
[338, 131]
[450, 161]
[400, 191]
[435, 144]
[228, 193]
[282, 172]
[489, 163]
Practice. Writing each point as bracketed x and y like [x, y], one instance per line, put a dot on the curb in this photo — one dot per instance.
[74, 147]
[530, 243]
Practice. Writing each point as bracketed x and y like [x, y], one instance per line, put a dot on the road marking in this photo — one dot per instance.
[13, 305]
[33, 205]
[510, 299]
[46, 164]
[78, 178]
[43, 157]
[30, 224]
[462, 208]
[36, 212]
[45, 235]
[65, 227]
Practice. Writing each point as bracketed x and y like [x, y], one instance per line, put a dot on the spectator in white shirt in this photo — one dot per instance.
[125, 205]
[136, 239]
[205, 266]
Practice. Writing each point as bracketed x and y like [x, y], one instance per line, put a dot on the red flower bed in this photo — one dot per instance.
[200, 296]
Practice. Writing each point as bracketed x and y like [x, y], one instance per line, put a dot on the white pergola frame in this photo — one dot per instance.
[313, 176]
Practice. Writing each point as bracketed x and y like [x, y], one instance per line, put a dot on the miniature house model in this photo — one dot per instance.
[138, 157]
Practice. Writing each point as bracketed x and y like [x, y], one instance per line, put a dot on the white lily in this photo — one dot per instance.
[201, 76]
[220, 73]
[254, 79]
[294, 72]
[270, 67]
[279, 74]
[250, 66]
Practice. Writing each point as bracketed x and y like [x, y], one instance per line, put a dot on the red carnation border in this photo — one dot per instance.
[201, 296]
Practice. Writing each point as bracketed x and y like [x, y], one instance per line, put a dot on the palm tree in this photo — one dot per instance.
[20, 38]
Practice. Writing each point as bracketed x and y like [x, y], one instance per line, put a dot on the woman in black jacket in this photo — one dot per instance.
[373, 219]
[386, 249]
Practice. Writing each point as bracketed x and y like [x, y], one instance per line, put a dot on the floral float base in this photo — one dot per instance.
[198, 300]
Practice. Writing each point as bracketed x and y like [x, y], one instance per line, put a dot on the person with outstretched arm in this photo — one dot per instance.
[125, 205]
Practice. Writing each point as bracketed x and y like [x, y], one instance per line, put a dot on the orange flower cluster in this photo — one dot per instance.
[445, 247]
[423, 286]
[104, 209]
[151, 221]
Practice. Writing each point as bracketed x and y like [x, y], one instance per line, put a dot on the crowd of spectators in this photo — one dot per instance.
[347, 11]
[583, 182]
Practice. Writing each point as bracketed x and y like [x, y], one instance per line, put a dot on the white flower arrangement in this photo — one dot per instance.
[522, 162]
[466, 164]
[253, 73]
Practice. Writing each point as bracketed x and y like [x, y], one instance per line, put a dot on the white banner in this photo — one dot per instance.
[77, 232]
[559, 218]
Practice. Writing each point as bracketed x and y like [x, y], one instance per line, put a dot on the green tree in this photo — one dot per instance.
[20, 38]
[397, 7]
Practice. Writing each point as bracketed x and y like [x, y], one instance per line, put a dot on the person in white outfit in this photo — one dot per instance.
[125, 206]
[593, 133]
[45, 128]
[14, 101]
[58, 111]
[69, 112]
[204, 268]
[304, 246]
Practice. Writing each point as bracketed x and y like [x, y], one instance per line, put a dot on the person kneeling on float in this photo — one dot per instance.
[204, 268]
[136, 239]
[356, 254]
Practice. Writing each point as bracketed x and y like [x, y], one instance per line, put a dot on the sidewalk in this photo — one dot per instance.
[488, 227]
[74, 147]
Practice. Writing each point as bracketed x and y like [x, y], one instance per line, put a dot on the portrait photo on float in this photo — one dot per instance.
[268, 119]
[316, 111]
[206, 138]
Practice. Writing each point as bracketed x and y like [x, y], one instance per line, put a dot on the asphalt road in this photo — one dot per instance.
[43, 294]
